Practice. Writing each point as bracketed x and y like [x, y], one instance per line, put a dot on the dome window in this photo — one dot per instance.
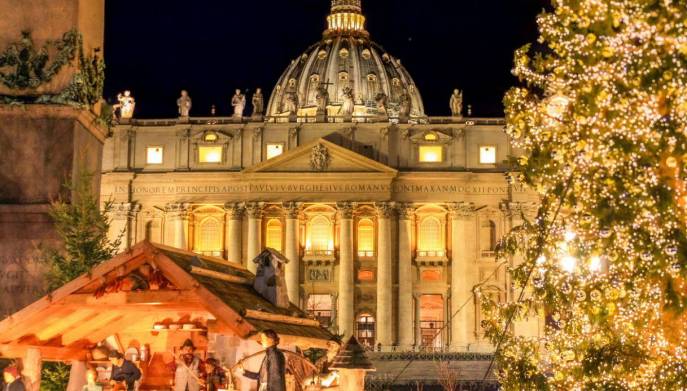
[386, 57]
[431, 137]
[292, 83]
[343, 53]
[366, 54]
[396, 82]
[343, 76]
[315, 78]
[371, 77]
[322, 54]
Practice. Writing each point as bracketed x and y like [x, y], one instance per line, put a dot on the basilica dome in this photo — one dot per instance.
[346, 64]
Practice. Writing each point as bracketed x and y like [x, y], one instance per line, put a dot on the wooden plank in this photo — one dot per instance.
[220, 276]
[48, 353]
[259, 315]
[58, 324]
[106, 323]
[151, 298]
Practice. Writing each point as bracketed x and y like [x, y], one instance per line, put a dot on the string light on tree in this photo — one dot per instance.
[602, 118]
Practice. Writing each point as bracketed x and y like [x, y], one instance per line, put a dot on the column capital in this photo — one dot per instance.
[254, 210]
[234, 210]
[461, 210]
[124, 210]
[292, 209]
[345, 209]
[179, 210]
[385, 209]
[405, 211]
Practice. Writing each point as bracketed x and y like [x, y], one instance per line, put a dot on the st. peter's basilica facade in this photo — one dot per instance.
[388, 216]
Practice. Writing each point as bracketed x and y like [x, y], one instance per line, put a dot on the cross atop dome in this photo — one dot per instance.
[346, 17]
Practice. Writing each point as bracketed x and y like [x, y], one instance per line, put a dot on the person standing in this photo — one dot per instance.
[188, 371]
[124, 371]
[216, 378]
[272, 373]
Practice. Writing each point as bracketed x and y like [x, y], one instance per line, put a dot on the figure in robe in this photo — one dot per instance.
[272, 373]
[456, 103]
[258, 103]
[126, 105]
[348, 104]
[238, 102]
[405, 104]
[290, 103]
[381, 100]
[322, 98]
[184, 104]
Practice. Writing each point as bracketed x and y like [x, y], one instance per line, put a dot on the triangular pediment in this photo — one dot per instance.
[321, 156]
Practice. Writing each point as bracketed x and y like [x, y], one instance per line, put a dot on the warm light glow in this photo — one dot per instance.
[568, 263]
[487, 155]
[595, 264]
[273, 234]
[557, 106]
[274, 150]
[210, 154]
[431, 153]
[320, 235]
[154, 155]
[570, 236]
[430, 237]
[366, 238]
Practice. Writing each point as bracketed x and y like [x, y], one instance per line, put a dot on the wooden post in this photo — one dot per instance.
[77, 376]
[32, 369]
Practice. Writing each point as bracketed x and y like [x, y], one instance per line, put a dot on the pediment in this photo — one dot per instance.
[321, 156]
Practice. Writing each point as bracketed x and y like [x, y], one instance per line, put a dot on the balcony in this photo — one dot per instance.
[431, 257]
[319, 256]
[216, 254]
[366, 254]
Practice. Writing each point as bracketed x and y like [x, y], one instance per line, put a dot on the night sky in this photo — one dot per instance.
[155, 48]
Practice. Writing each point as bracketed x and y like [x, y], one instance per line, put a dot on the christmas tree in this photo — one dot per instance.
[602, 121]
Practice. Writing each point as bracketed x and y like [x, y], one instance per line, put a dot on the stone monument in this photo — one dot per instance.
[45, 145]
[238, 102]
[456, 103]
[184, 104]
[258, 103]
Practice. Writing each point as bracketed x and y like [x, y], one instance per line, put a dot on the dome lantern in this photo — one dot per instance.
[346, 17]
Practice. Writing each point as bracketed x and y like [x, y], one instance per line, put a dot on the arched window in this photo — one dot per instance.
[366, 238]
[487, 238]
[366, 330]
[273, 234]
[209, 237]
[431, 238]
[320, 238]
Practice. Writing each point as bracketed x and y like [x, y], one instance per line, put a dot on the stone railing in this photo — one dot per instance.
[466, 121]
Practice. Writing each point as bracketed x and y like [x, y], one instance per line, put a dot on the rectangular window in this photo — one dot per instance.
[487, 154]
[274, 150]
[154, 155]
[431, 153]
[210, 154]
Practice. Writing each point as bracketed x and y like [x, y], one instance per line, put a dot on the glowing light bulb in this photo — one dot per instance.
[595, 264]
[557, 106]
[568, 263]
[570, 236]
[541, 260]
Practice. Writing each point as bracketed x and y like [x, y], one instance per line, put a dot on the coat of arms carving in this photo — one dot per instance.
[319, 158]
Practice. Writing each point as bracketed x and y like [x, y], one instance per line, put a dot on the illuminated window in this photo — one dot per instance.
[366, 238]
[431, 320]
[274, 234]
[431, 238]
[274, 150]
[154, 155]
[209, 237]
[320, 239]
[487, 155]
[320, 306]
[210, 154]
[431, 153]
[366, 275]
[366, 330]
[431, 275]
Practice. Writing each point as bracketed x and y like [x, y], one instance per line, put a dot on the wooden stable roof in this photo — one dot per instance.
[143, 286]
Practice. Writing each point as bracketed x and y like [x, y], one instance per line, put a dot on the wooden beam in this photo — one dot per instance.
[48, 353]
[31, 373]
[58, 324]
[220, 276]
[105, 323]
[151, 298]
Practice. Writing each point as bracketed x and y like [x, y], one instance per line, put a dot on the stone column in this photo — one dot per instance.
[234, 227]
[384, 276]
[292, 253]
[346, 271]
[176, 225]
[417, 324]
[462, 271]
[254, 211]
[405, 277]
[123, 217]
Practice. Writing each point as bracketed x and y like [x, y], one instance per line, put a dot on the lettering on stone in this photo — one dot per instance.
[319, 274]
